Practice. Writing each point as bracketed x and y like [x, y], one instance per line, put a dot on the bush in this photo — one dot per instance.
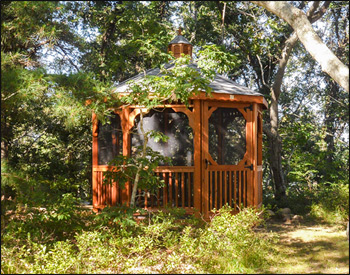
[115, 242]
[328, 202]
[228, 244]
[331, 203]
[300, 197]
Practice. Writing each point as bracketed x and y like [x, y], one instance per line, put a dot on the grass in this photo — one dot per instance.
[309, 248]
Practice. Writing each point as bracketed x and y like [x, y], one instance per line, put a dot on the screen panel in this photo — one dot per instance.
[227, 136]
[110, 139]
[176, 126]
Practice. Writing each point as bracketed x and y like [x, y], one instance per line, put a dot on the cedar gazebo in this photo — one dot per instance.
[215, 145]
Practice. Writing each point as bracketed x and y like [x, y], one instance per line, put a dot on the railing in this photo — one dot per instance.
[227, 184]
[177, 192]
[104, 194]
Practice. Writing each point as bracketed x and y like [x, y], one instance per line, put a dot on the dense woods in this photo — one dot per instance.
[57, 56]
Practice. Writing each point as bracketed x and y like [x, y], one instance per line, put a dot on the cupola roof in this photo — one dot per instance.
[179, 39]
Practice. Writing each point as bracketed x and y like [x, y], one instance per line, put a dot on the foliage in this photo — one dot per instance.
[113, 241]
[331, 203]
[215, 59]
[230, 240]
[124, 169]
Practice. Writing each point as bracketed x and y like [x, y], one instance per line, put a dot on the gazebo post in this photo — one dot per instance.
[204, 148]
[197, 156]
[125, 123]
[258, 157]
[250, 151]
[255, 154]
[94, 160]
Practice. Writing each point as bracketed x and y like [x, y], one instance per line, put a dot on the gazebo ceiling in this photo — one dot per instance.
[220, 85]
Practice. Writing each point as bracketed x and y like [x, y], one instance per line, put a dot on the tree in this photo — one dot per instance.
[312, 42]
[275, 142]
[45, 126]
[44, 123]
[263, 44]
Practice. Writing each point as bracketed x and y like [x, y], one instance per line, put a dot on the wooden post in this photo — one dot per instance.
[258, 153]
[126, 126]
[205, 147]
[220, 144]
[94, 160]
[250, 150]
[255, 155]
[197, 178]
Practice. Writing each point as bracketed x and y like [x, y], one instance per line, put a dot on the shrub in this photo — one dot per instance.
[300, 197]
[227, 244]
[113, 242]
[331, 203]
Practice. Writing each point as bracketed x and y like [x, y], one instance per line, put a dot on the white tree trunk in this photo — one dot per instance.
[330, 64]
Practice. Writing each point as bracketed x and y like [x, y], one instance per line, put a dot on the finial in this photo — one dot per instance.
[179, 31]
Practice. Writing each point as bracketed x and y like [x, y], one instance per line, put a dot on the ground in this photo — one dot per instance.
[309, 247]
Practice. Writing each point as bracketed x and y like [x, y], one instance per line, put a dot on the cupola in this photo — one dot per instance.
[180, 45]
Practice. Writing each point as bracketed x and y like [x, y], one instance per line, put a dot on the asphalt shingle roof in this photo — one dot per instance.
[220, 84]
[179, 39]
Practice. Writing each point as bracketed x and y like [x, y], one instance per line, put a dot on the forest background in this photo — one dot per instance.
[56, 55]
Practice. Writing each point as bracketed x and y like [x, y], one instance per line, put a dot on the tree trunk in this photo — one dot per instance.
[330, 120]
[140, 167]
[4, 151]
[274, 140]
[330, 64]
[5, 137]
[275, 148]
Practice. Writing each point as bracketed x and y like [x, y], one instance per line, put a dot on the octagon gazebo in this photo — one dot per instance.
[215, 145]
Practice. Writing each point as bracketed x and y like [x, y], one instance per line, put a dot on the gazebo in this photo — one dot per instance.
[215, 144]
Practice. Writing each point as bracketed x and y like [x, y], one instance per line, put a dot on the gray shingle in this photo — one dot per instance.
[179, 39]
[220, 84]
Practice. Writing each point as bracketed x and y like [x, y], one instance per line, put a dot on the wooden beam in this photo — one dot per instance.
[232, 98]
[240, 99]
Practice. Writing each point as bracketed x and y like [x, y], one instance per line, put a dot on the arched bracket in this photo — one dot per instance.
[188, 113]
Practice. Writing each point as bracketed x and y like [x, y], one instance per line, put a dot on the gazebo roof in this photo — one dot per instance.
[179, 39]
[220, 84]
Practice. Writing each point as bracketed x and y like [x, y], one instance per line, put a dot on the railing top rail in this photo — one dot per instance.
[162, 169]
[227, 168]
[165, 169]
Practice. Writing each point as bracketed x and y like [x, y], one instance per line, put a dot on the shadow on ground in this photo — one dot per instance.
[308, 247]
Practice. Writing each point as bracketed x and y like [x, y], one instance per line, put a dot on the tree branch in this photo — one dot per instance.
[329, 62]
[69, 59]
